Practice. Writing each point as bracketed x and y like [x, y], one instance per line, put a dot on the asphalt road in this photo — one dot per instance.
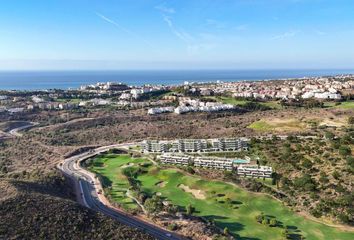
[89, 196]
[16, 131]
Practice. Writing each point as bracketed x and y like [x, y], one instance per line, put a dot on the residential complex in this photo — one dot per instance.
[315, 87]
[196, 145]
[192, 105]
[226, 164]
[215, 163]
[229, 144]
[254, 171]
[176, 159]
[108, 86]
[158, 110]
[154, 146]
[189, 145]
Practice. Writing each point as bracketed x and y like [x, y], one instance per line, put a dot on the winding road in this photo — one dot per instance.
[16, 131]
[88, 187]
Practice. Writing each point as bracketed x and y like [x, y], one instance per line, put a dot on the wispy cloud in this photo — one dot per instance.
[120, 27]
[181, 34]
[215, 23]
[167, 10]
[285, 35]
[194, 43]
[113, 23]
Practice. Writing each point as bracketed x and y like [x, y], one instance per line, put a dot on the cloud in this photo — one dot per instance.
[215, 23]
[113, 23]
[162, 8]
[117, 25]
[194, 44]
[285, 35]
[181, 34]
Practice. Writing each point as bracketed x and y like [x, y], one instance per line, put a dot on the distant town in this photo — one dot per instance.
[188, 97]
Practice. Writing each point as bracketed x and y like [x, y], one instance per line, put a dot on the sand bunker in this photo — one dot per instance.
[127, 165]
[333, 123]
[198, 194]
[161, 184]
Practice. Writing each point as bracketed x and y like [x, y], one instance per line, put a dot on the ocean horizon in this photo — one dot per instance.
[41, 80]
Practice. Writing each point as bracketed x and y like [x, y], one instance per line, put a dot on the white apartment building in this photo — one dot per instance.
[176, 159]
[37, 99]
[215, 163]
[125, 96]
[154, 146]
[255, 171]
[229, 144]
[328, 95]
[159, 110]
[189, 145]
[244, 170]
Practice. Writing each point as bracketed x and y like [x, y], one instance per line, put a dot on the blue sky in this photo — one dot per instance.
[176, 34]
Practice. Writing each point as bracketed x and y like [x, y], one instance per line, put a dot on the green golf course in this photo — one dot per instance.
[227, 205]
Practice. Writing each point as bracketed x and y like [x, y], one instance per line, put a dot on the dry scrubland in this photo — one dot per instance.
[315, 175]
[123, 127]
[39, 207]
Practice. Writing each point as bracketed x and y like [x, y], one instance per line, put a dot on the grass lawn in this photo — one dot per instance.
[228, 205]
[110, 167]
[282, 125]
[71, 100]
[228, 100]
[261, 126]
[346, 105]
[342, 105]
[272, 104]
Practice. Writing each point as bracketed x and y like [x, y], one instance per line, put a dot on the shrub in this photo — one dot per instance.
[344, 150]
[273, 222]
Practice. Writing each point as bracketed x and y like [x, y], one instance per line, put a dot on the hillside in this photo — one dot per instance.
[41, 210]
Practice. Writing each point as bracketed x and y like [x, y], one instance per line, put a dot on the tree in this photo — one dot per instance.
[344, 150]
[190, 170]
[154, 204]
[226, 231]
[273, 222]
[329, 135]
[260, 217]
[285, 233]
[189, 209]
[351, 120]
[350, 161]
[306, 163]
[323, 178]
[336, 174]
[265, 221]
[305, 182]
[274, 178]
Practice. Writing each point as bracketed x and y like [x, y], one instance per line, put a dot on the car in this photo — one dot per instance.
[168, 234]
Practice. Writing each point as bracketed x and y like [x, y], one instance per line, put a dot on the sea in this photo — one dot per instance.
[41, 80]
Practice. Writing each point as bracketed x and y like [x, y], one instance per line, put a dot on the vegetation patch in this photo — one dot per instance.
[279, 125]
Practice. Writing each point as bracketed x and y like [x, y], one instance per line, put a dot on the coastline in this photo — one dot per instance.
[40, 80]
